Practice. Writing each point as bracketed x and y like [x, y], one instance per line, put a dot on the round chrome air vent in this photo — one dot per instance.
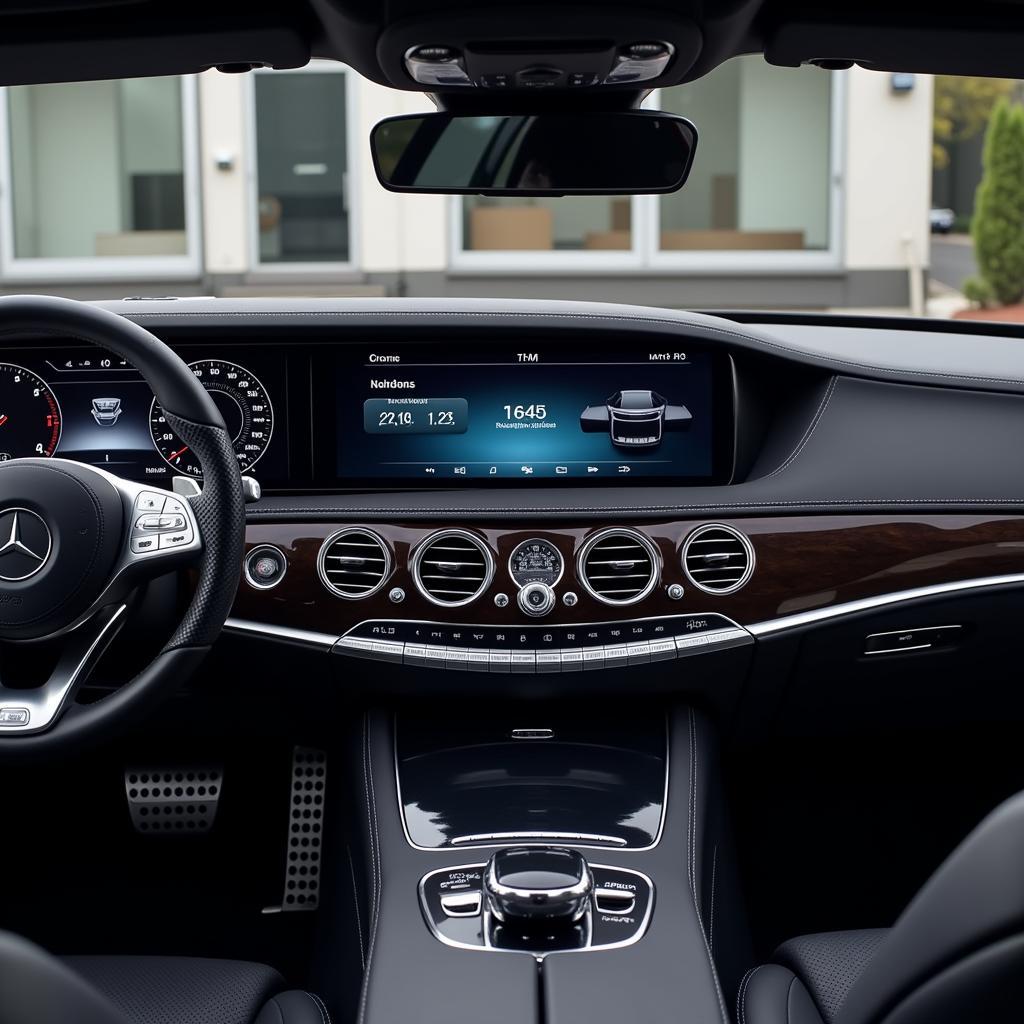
[354, 563]
[618, 566]
[452, 567]
[718, 559]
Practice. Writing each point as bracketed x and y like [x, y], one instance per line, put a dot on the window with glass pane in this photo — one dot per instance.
[301, 166]
[761, 177]
[571, 222]
[97, 169]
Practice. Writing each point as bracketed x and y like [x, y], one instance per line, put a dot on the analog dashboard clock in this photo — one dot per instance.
[536, 561]
[243, 402]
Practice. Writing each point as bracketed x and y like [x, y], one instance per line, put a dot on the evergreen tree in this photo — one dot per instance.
[998, 224]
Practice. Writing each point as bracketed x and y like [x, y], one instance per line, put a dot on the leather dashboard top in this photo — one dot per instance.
[907, 420]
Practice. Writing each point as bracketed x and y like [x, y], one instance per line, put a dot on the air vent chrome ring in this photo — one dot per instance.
[726, 581]
[382, 564]
[416, 567]
[637, 538]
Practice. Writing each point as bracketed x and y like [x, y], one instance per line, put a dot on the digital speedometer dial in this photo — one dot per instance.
[242, 401]
[536, 561]
[29, 415]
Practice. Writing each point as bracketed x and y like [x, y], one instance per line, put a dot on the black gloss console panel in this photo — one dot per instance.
[542, 776]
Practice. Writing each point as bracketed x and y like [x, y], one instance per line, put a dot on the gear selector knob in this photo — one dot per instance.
[545, 885]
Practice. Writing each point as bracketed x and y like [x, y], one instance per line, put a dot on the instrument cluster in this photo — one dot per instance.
[94, 407]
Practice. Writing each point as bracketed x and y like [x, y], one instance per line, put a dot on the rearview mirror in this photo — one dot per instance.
[534, 154]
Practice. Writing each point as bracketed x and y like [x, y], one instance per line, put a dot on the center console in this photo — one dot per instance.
[557, 867]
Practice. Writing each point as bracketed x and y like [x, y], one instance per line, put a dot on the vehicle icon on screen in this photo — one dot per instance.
[635, 420]
[106, 411]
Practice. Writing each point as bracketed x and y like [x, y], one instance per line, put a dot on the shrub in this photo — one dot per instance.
[998, 225]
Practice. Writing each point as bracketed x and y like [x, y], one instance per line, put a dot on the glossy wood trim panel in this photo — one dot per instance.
[803, 563]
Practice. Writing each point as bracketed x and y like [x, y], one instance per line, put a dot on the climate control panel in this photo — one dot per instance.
[535, 649]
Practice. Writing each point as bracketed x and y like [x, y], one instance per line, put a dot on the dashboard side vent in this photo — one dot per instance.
[452, 568]
[718, 559]
[354, 563]
[618, 566]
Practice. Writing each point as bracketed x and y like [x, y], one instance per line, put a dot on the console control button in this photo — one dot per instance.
[536, 599]
[265, 567]
[461, 904]
[542, 649]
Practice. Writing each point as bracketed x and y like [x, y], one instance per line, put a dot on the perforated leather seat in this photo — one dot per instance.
[40, 989]
[956, 954]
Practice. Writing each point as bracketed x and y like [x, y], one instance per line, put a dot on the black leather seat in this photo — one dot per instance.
[36, 988]
[956, 954]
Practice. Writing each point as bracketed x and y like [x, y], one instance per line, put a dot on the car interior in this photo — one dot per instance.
[508, 661]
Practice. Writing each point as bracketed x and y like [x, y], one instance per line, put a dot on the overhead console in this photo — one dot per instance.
[503, 52]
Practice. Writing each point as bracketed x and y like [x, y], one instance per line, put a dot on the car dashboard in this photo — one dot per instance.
[542, 491]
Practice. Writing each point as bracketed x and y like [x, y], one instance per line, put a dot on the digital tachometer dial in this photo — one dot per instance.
[242, 401]
[29, 415]
[536, 561]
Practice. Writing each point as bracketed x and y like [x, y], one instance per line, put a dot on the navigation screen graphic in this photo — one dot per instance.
[456, 413]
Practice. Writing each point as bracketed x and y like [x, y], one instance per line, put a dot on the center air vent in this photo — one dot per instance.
[718, 559]
[452, 568]
[618, 566]
[354, 563]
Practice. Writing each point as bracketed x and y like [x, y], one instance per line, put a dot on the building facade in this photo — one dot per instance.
[810, 189]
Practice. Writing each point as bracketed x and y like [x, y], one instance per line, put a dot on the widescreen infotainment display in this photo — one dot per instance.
[528, 412]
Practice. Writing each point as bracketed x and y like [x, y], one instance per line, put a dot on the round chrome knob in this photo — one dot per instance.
[540, 884]
[536, 599]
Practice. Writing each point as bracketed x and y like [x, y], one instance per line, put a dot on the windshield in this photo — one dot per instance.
[811, 189]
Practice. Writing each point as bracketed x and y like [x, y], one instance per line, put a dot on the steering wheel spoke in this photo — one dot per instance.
[24, 711]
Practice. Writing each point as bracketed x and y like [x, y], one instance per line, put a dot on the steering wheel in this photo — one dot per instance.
[76, 541]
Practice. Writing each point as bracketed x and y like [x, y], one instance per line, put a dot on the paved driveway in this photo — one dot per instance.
[952, 259]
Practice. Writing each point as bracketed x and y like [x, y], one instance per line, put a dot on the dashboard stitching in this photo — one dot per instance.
[723, 331]
[818, 416]
[692, 856]
[741, 998]
[374, 850]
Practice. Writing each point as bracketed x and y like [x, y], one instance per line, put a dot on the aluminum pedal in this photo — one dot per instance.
[305, 832]
[178, 801]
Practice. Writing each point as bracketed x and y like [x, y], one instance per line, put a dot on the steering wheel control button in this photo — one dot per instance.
[140, 545]
[265, 567]
[14, 718]
[149, 501]
[536, 599]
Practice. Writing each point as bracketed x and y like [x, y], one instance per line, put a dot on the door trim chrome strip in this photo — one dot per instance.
[867, 604]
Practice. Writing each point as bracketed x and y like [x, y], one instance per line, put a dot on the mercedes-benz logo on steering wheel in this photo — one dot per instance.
[25, 544]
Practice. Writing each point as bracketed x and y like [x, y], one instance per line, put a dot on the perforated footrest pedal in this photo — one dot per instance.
[305, 832]
[173, 801]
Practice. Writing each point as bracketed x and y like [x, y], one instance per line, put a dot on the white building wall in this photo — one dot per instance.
[887, 181]
[397, 232]
[885, 171]
[223, 130]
